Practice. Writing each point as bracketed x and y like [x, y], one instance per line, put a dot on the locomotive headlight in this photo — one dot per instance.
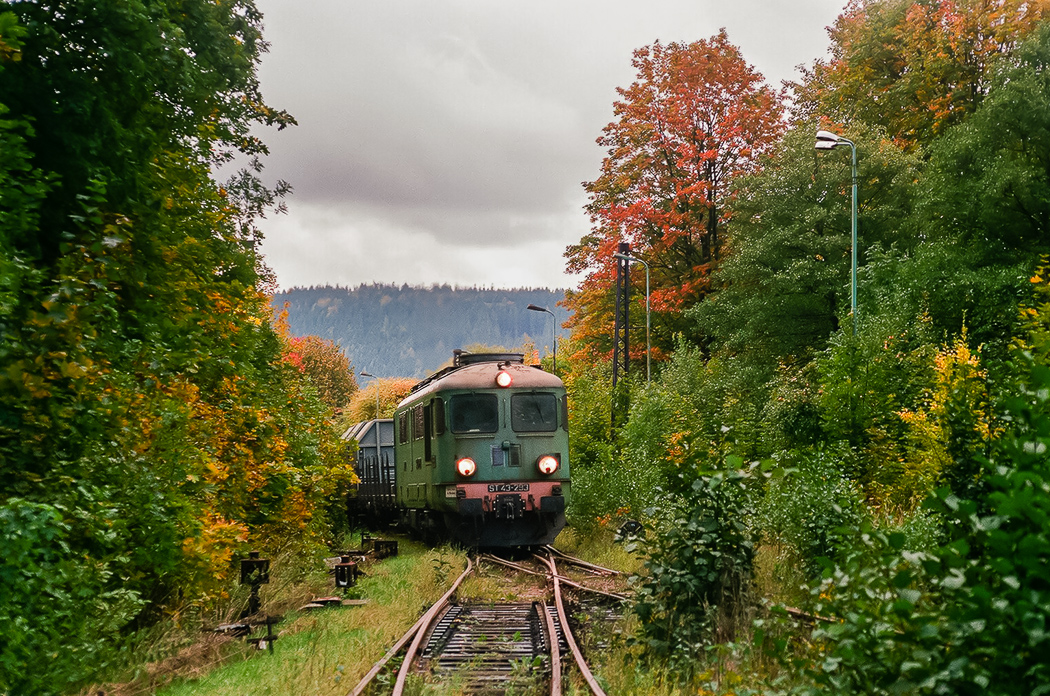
[503, 379]
[547, 464]
[466, 467]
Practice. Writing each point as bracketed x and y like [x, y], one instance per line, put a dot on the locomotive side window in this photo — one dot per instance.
[417, 422]
[474, 413]
[534, 413]
[402, 427]
[428, 432]
[439, 416]
[565, 413]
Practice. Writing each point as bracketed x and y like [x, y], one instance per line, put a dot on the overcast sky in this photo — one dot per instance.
[445, 141]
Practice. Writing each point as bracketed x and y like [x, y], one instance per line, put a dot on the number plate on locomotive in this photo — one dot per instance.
[508, 487]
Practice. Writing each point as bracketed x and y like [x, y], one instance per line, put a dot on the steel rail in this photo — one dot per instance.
[571, 560]
[427, 620]
[567, 631]
[568, 581]
[555, 648]
[416, 630]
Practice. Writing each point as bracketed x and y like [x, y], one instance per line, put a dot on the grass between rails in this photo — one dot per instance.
[328, 651]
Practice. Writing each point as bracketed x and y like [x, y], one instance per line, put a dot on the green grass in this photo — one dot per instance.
[598, 547]
[327, 652]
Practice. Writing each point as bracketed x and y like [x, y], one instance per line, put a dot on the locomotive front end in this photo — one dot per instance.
[496, 472]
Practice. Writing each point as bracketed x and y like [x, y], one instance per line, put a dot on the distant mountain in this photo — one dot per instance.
[405, 331]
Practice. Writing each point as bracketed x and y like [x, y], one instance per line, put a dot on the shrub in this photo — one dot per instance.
[811, 508]
[56, 613]
[697, 569]
[970, 616]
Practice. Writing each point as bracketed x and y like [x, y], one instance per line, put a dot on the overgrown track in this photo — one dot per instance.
[495, 648]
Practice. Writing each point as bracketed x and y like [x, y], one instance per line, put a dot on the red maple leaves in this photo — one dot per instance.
[696, 117]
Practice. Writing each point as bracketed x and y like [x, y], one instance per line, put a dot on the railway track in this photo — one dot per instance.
[490, 648]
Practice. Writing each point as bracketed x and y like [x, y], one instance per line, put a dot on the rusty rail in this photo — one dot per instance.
[580, 563]
[415, 633]
[568, 581]
[581, 663]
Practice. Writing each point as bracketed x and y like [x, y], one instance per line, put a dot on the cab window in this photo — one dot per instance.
[534, 413]
[474, 413]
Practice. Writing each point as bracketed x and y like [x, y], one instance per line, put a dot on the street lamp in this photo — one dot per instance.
[826, 140]
[365, 374]
[648, 346]
[537, 308]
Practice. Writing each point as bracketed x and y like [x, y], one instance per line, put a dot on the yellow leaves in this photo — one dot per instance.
[209, 553]
[72, 370]
[955, 416]
[217, 473]
[35, 385]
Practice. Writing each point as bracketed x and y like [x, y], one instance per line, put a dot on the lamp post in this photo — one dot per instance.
[826, 140]
[648, 346]
[376, 384]
[537, 308]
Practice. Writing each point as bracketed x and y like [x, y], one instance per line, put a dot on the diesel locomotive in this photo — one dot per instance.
[480, 455]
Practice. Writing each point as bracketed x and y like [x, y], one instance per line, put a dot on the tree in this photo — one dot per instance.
[697, 117]
[148, 425]
[988, 183]
[781, 290]
[326, 366]
[914, 67]
[391, 391]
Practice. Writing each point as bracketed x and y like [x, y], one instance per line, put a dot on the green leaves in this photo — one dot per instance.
[698, 569]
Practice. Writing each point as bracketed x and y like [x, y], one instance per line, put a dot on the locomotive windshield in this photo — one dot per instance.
[534, 413]
[474, 413]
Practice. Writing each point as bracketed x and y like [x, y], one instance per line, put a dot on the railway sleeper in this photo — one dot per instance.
[489, 646]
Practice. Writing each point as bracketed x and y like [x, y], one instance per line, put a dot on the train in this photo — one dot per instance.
[477, 454]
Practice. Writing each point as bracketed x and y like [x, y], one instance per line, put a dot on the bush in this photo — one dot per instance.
[811, 508]
[697, 571]
[970, 616]
[56, 613]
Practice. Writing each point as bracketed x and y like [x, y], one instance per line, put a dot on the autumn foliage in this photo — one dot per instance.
[915, 68]
[391, 390]
[696, 117]
[150, 426]
[325, 365]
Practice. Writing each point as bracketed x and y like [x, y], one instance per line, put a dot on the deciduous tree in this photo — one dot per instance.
[784, 285]
[326, 366]
[696, 117]
[148, 425]
[914, 67]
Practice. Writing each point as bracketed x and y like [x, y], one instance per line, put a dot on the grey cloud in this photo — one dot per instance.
[467, 125]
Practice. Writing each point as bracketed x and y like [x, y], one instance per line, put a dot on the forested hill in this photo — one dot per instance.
[404, 331]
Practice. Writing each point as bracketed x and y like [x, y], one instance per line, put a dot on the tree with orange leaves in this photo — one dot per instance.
[914, 67]
[696, 117]
[326, 365]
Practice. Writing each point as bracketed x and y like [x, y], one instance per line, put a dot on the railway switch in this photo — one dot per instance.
[255, 571]
[345, 573]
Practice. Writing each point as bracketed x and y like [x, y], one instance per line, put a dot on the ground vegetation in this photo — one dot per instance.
[883, 469]
[152, 426]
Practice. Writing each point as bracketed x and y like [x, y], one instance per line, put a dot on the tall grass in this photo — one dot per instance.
[322, 652]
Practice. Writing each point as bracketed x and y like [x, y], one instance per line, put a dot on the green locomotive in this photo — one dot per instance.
[481, 453]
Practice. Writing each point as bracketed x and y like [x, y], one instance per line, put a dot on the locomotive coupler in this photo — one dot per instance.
[509, 507]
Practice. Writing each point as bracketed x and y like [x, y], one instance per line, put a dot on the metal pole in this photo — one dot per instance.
[537, 308]
[853, 299]
[827, 140]
[376, 385]
[648, 343]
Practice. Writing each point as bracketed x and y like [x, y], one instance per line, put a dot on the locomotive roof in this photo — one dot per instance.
[478, 371]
